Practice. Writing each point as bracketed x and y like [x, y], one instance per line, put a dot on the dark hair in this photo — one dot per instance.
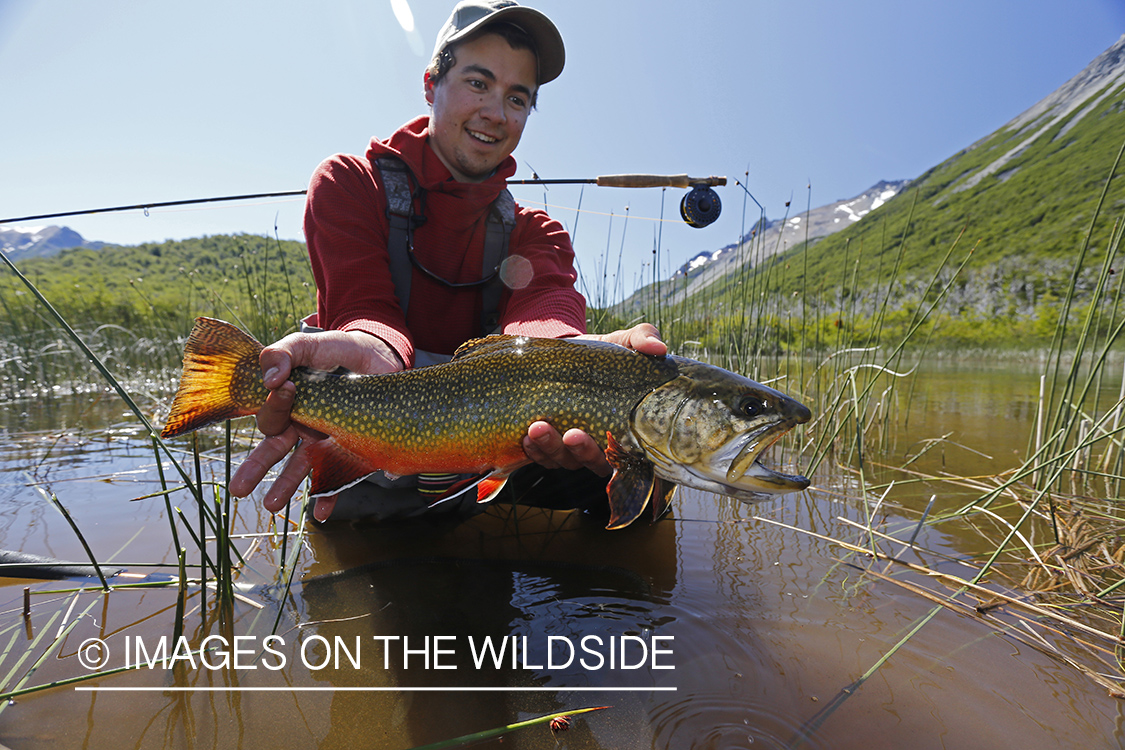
[516, 38]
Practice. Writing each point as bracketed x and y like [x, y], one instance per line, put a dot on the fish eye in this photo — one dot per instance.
[751, 406]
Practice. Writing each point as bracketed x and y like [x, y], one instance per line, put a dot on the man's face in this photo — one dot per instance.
[480, 106]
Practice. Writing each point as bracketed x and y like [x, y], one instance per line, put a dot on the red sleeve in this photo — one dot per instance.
[540, 274]
[346, 233]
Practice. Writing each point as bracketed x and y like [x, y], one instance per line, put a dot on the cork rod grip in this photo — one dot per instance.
[657, 180]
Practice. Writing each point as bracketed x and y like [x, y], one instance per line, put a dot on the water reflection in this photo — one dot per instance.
[532, 587]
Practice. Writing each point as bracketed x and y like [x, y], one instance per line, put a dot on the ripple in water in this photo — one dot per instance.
[709, 721]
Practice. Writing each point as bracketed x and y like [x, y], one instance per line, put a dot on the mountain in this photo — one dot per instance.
[38, 242]
[776, 236]
[780, 234]
[1067, 105]
[1023, 199]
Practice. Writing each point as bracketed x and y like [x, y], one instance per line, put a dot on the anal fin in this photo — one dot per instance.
[334, 467]
[488, 486]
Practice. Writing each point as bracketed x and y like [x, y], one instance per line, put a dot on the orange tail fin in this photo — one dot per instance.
[221, 378]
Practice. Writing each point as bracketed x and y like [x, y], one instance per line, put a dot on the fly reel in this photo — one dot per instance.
[700, 207]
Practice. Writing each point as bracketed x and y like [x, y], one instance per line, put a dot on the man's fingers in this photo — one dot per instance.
[642, 337]
[323, 508]
[574, 450]
[276, 365]
[646, 340]
[586, 452]
[544, 446]
[327, 350]
[260, 461]
[288, 481]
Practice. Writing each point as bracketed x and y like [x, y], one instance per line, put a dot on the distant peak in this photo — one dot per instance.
[40, 241]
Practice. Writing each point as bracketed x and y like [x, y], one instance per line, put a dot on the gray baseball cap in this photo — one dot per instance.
[470, 15]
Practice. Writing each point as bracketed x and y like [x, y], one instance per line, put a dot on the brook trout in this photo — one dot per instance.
[663, 421]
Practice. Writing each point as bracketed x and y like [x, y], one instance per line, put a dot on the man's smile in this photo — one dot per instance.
[481, 136]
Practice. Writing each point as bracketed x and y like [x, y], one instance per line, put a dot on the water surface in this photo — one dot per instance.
[766, 629]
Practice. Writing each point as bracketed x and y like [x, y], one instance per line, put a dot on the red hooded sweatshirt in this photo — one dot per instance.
[346, 231]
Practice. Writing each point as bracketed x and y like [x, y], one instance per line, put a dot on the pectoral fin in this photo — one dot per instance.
[630, 487]
[490, 486]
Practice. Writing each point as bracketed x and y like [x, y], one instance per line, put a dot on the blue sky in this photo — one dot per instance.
[113, 102]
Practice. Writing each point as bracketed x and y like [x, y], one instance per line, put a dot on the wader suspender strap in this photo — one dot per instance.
[498, 230]
[402, 220]
[400, 214]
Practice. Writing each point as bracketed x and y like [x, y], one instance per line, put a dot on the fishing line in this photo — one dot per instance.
[595, 213]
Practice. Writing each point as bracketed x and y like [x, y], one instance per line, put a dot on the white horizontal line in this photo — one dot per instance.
[314, 689]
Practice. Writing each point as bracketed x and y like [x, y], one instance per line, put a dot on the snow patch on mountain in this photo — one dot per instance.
[19, 243]
[819, 222]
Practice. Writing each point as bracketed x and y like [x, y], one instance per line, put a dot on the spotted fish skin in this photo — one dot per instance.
[470, 415]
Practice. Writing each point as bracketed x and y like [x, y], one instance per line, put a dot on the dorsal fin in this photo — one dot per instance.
[502, 341]
[477, 347]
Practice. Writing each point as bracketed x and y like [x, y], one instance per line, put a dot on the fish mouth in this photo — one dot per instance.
[746, 471]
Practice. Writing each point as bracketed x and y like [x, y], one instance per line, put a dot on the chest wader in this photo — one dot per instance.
[379, 496]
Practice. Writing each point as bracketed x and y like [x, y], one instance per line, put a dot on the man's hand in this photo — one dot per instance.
[643, 338]
[355, 350]
[575, 449]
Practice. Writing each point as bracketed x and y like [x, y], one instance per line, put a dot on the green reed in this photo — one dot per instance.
[132, 306]
[850, 348]
[109, 348]
[1071, 477]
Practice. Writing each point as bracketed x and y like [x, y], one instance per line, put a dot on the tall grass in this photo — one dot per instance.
[214, 546]
[136, 324]
[847, 347]
[851, 349]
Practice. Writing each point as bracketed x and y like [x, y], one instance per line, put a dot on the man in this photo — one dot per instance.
[489, 61]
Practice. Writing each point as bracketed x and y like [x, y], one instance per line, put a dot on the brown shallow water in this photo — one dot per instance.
[762, 631]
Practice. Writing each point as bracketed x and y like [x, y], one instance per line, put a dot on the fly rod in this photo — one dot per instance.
[698, 208]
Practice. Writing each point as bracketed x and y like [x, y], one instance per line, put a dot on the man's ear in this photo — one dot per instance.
[428, 85]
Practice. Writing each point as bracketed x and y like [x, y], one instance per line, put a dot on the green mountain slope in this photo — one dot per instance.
[1022, 199]
[1025, 192]
[1037, 209]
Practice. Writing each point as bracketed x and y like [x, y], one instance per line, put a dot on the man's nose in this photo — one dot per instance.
[492, 108]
